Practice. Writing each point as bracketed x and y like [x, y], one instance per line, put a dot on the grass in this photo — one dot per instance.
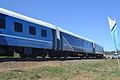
[16, 55]
[88, 70]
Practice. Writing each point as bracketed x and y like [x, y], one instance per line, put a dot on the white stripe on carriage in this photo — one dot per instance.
[26, 38]
[76, 46]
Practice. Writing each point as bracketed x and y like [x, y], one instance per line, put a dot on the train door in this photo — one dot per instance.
[93, 45]
[54, 45]
[58, 39]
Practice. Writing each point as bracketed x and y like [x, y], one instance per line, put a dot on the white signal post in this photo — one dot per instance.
[113, 30]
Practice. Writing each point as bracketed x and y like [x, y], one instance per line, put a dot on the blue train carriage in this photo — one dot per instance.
[31, 38]
[76, 46]
[73, 45]
[25, 35]
[98, 50]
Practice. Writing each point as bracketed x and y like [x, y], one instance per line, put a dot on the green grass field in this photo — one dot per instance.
[84, 70]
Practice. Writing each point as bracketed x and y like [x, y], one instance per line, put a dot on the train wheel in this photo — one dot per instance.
[81, 57]
[58, 57]
[44, 55]
[33, 56]
[51, 56]
[65, 56]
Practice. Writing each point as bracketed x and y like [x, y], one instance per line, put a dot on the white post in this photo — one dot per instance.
[118, 60]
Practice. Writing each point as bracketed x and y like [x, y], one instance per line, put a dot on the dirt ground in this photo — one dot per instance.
[12, 65]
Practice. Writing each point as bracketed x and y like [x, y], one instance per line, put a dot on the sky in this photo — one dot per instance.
[86, 18]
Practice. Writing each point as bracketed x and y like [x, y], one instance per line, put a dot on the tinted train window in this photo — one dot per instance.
[2, 23]
[32, 30]
[43, 33]
[18, 27]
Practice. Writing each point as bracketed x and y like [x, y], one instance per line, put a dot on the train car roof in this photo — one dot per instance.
[39, 22]
[17, 15]
[68, 32]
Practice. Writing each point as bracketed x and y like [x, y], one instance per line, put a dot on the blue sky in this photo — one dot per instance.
[87, 18]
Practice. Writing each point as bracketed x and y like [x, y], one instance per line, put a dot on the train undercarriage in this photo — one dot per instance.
[26, 52]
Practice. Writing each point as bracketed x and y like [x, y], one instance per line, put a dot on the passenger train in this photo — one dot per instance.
[30, 37]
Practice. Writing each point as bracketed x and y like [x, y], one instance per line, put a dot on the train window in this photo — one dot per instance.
[2, 23]
[32, 30]
[18, 27]
[43, 33]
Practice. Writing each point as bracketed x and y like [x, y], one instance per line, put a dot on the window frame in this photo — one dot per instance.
[3, 17]
[32, 30]
[44, 33]
[3, 24]
[18, 27]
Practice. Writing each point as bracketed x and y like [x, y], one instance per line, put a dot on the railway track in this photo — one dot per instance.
[45, 59]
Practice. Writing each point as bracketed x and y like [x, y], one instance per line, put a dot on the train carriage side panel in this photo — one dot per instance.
[42, 39]
[2, 29]
[98, 49]
[88, 46]
[71, 43]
